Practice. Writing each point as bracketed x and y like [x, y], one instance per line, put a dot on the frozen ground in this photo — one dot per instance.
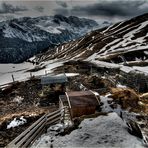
[103, 131]
[126, 69]
[19, 71]
[20, 74]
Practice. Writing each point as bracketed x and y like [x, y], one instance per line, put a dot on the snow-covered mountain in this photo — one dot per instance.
[24, 37]
[124, 42]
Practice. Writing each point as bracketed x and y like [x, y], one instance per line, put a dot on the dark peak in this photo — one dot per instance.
[143, 16]
[19, 19]
[106, 22]
[73, 17]
[140, 18]
[59, 17]
[74, 20]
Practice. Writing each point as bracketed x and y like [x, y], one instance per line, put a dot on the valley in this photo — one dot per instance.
[111, 62]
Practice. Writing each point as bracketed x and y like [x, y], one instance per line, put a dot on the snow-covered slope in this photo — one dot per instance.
[125, 42]
[24, 37]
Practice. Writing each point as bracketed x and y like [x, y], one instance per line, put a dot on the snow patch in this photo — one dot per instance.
[56, 127]
[16, 122]
[142, 69]
[69, 74]
[18, 99]
[121, 86]
[106, 107]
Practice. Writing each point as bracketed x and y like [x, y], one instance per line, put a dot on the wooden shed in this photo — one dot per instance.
[80, 102]
[47, 80]
[55, 83]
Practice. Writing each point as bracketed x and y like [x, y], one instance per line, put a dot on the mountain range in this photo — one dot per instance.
[125, 43]
[25, 37]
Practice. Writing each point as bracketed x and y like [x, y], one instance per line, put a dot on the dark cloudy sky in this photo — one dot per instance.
[113, 10]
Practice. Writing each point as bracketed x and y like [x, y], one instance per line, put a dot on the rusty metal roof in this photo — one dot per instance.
[82, 98]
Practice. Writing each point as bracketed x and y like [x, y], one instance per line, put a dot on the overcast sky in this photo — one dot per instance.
[112, 10]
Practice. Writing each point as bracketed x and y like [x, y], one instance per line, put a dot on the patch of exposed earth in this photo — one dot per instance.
[21, 99]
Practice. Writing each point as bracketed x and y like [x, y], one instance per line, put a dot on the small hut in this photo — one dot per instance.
[57, 79]
[54, 82]
[80, 102]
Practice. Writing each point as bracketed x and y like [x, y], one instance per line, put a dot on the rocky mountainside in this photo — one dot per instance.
[124, 42]
[24, 37]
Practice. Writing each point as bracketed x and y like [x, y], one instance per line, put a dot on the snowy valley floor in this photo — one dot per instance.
[23, 71]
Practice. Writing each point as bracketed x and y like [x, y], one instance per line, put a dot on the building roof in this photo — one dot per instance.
[82, 98]
[53, 79]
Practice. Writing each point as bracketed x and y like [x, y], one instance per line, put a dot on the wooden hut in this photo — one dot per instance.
[80, 102]
[57, 82]
[47, 80]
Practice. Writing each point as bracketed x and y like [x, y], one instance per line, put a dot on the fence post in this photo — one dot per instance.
[45, 72]
[45, 123]
[62, 114]
[12, 78]
[30, 74]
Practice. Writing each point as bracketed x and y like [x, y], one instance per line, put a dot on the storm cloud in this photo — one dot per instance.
[39, 8]
[8, 8]
[62, 4]
[109, 9]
